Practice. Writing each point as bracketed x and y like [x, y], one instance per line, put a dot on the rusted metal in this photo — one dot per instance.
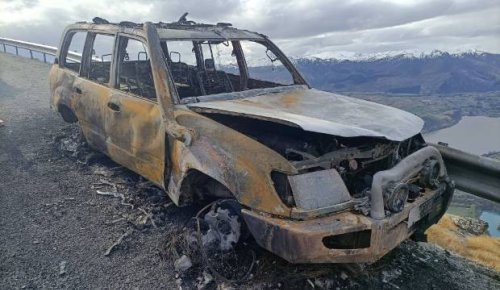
[304, 241]
[299, 161]
[245, 171]
[319, 189]
[404, 170]
[162, 87]
[322, 112]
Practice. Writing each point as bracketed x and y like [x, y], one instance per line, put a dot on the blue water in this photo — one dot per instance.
[493, 220]
[477, 135]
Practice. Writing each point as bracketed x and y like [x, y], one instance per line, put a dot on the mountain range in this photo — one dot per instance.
[437, 73]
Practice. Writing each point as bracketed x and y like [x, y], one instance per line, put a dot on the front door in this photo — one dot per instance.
[133, 122]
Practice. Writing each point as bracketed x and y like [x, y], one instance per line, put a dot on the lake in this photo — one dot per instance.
[478, 135]
[493, 220]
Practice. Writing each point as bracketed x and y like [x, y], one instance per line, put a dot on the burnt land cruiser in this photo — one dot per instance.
[212, 112]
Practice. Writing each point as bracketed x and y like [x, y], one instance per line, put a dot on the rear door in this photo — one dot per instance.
[66, 69]
[93, 90]
[133, 123]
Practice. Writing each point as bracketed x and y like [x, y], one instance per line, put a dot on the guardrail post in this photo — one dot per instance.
[33, 48]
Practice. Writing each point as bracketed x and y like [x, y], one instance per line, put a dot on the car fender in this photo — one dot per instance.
[237, 161]
[60, 87]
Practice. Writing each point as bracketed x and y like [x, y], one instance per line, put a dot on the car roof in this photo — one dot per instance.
[207, 32]
[174, 30]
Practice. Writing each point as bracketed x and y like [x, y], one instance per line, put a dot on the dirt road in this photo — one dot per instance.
[61, 211]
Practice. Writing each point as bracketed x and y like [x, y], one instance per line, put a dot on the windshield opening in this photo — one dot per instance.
[206, 67]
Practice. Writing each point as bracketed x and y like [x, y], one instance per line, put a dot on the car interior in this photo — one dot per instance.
[136, 77]
[203, 78]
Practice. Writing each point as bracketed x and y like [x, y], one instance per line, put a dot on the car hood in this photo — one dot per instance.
[321, 112]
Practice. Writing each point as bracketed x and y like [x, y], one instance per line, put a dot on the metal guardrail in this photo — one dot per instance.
[35, 47]
[474, 174]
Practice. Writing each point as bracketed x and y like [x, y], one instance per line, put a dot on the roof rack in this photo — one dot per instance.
[182, 23]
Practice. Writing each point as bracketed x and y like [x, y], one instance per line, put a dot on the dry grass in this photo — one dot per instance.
[482, 249]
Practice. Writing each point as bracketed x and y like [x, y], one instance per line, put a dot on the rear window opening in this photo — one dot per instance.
[354, 240]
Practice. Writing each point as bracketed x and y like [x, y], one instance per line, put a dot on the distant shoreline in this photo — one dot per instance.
[440, 111]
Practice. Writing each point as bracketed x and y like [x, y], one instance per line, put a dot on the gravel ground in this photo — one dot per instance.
[55, 228]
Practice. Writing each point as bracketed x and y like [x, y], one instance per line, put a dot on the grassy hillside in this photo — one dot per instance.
[482, 249]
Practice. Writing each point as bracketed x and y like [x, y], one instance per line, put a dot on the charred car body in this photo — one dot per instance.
[210, 111]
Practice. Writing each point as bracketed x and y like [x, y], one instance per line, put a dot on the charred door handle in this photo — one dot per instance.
[114, 106]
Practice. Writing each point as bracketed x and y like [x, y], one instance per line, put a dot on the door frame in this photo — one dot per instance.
[115, 88]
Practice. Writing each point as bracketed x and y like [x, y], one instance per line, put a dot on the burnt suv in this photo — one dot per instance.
[213, 112]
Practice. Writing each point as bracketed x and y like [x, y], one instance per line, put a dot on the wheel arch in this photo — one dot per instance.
[67, 113]
[242, 165]
[197, 185]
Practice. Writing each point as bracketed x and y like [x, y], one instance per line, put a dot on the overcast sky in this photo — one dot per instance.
[322, 28]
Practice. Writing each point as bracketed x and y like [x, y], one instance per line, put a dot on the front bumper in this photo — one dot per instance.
[308, 241]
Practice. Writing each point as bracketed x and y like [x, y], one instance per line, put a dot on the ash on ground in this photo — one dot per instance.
[211, 266]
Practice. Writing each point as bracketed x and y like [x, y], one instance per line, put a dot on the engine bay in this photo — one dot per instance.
[356, 159]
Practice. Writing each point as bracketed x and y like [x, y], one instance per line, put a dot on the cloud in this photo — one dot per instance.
[450, 33]
[301, 28]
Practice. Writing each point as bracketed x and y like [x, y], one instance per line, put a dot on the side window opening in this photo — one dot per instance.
[264, 67]
[225, 60]
[206, 67]
[76, 45]
[202, 67]
[102, 56]
[182, 61]
[181, 52]
[217, 58]
[134, 69]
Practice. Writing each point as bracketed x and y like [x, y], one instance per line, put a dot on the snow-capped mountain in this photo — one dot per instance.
[406, 73]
